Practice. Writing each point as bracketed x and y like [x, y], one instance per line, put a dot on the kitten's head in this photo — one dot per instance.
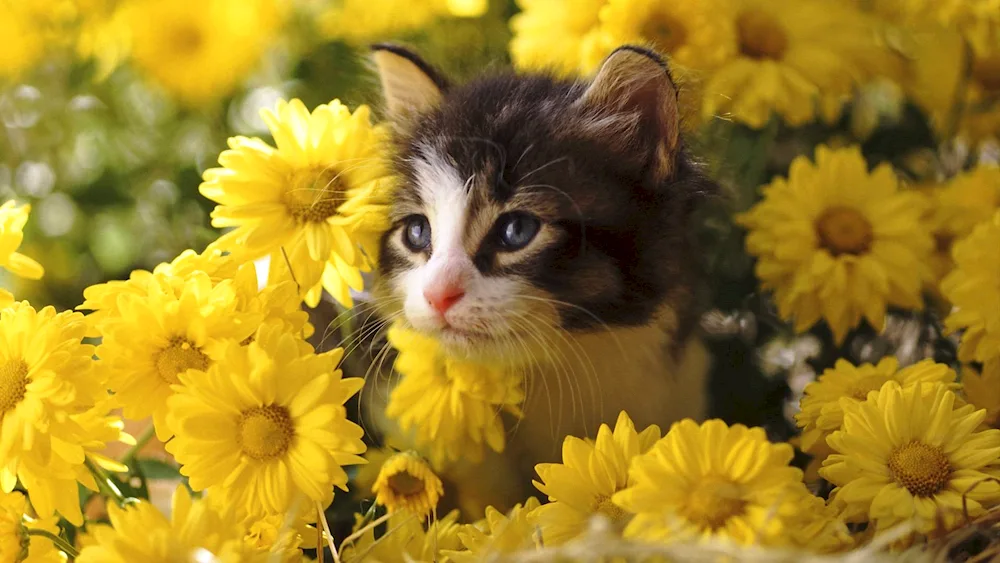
[527, 202]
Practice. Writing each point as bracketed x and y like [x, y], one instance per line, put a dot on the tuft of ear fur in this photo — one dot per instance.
[410, 86]
[634, 82]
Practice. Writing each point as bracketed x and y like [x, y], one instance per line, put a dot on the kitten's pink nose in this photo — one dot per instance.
[442, 297]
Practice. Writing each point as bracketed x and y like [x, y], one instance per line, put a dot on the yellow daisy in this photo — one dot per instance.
[53, 408]
[972, 290]
[590, 474]
[405, 540]
[277, 302]
[907, 455]
[958, 206]
[451, 408]
[102, 299]
[822, 405]
[405, 482]
[838, 243]
[981, 118]
[795, 58]
[691, 33]
[27, 44]
[139, 532]
[711, 481]
[982, 389]
[163, 332]
[12, 221]
[498, 533]
[555, 35]
[200, 50]
[365, 475]
[280, 432]
[15, 544]
[319, 200]
[364, 21]
[280, 536]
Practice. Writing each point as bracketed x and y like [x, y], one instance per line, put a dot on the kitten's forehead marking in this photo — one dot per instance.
[445, 196]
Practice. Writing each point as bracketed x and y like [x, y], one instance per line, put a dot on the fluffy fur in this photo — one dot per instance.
[599, 307]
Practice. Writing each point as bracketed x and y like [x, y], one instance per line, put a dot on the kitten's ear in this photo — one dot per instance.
[410, 85]
[635, 82]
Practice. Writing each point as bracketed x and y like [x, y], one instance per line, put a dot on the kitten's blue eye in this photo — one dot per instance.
[517, 230]
[416, 233]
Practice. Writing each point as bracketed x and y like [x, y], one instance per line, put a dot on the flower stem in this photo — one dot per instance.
[141, 441]
[104, 482]
[60, 543]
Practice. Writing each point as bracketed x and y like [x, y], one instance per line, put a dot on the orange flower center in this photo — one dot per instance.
[761, 36]
[186, 40]
[712, 502]
[265, 432]
[844, 230]
[405, 485]
[13, 384]
[314, 194]
[922, 469]
[664, 31]
[179, 357]
[618, 515]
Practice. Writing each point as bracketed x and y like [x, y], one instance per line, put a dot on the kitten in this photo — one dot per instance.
[543, 224]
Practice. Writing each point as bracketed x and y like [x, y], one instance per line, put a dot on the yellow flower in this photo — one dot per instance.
[467, 8]
[796, 59]
[280, 432]
[26, 43]
[838, 243]
[691, 33]
[15, 544]
[958, 206]
[450, 407]
[318, 200]
[498, 533]
[907, 455]
[824, 400]
[53, 408]
[12, 220]
[200, 50]
[590, 474]
[405, 540]
[166, 330]
[972, 290]
[406, 483]
[139, 532]
[364, 478]
[713, 481]
[362, 21]
[278, 302]
[279, 535]
[982, 389]
[555, 35]
[102, 299]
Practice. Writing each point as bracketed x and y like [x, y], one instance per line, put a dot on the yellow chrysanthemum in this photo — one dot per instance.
[280, 536]
[15, 544]
[981, 117]
[405, 540]
[498, 533]
[795, 58]
[837, 242]
[365, 475]
[200, 50]
[194, 531]
[982, 389]
[407, 483]
[167, 330]
[958, 206]
[690, 33]
[53, 408]
[280, 432]
[361, 21]
[714, 482]
[590, 474]
[318, 201]
[907, 455]
[555, 35]
[450, 407]
[27, 44]
[972, 289]
[822, 406]
[12, 221]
